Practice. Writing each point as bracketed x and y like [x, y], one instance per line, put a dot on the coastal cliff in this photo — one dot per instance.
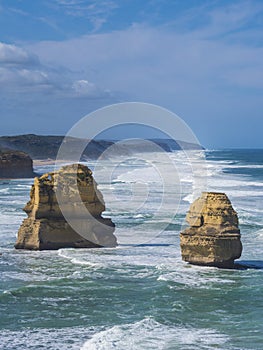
[46, 146]
[213, 238]
[15, 164]
[46, 227]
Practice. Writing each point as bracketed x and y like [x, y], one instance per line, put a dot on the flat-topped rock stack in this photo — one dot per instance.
[15, 164]
[213, 238]
[81, 203]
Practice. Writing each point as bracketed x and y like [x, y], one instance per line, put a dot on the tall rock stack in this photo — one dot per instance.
[213, 238]
[80, 200]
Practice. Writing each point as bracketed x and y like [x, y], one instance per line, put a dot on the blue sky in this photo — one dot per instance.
[203, 60]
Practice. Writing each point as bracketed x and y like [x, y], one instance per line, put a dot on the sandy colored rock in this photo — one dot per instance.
[15, 165]
[46, 227]
[213, 238]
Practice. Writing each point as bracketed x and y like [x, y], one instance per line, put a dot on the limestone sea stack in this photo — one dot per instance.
[213, 238]
[83, 204]
[15, 164]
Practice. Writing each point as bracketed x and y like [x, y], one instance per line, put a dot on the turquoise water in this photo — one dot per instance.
[137, 297]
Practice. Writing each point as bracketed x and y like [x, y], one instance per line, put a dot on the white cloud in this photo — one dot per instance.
[206, 65]
[17, 82]
[33, 76]
[149, 62]
[233, 17]
[13, 55]
[95, 11]
[22, 72]
[209, 75]
[84, 88]
[23, 76]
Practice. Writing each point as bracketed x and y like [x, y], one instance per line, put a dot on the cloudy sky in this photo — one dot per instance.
[203, 60]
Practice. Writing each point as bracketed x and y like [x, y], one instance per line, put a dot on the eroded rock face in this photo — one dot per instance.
[46, 227]
[213, 238]
[15, 165]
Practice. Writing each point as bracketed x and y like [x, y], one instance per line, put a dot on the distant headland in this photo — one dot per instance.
[47, 146]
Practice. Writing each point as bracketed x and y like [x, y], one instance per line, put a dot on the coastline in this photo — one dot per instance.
[49, 161]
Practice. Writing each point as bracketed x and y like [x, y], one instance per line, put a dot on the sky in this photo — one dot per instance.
[203, 60]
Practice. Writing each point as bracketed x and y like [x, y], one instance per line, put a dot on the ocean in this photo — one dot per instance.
[140, 295]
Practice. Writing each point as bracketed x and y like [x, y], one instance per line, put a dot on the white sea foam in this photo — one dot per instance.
[85, 263]
[125, 258]
[140, 176]
[201, 277]
[11, 218]
[82, 257]
[162, 262]
[240, 166]
[44, 338]
[189, 198]
[222, 181]
[259, 234]
[23, 186]
[150, 334]
[4, 190]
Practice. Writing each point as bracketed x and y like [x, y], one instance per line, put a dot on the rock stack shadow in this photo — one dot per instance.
[249, 265]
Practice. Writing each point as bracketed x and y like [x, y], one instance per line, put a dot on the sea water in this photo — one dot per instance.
[137, 296]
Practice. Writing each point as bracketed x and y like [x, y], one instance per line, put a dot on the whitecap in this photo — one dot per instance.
[196, 277]
[44, 338]
[150, 334]
[86, 263]
[189, 198]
